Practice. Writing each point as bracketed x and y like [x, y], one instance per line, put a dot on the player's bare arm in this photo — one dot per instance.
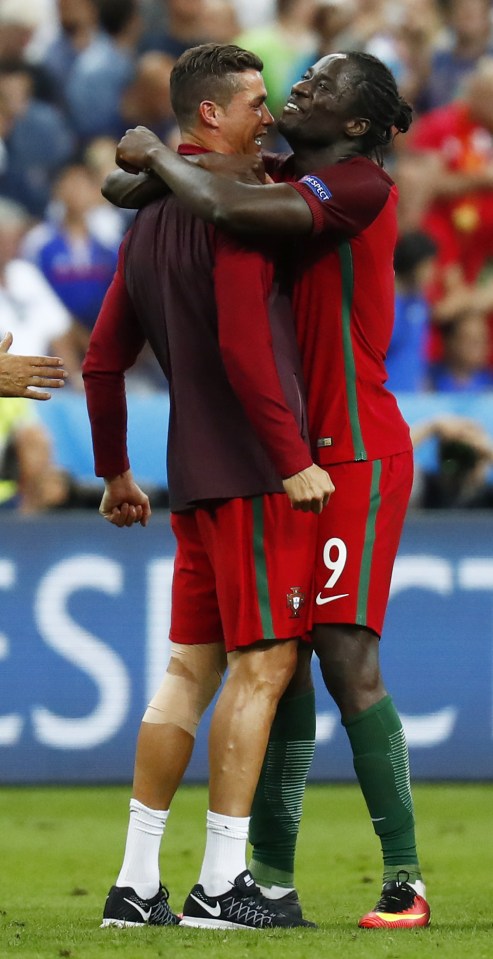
[132, 191]
[239, 207]
[309, 490]
[31, 377]
[123, 502]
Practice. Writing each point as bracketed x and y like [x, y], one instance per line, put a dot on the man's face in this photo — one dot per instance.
[246, 119]
[320, 103]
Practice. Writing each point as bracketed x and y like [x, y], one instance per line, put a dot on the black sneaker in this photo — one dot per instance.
[291, 907]
[123, 907]
[242, 907]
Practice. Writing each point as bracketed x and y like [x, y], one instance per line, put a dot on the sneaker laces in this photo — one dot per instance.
[397, 895]
[164, 891]
[258, 901]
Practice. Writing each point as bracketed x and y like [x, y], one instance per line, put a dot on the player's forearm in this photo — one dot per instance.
[107, 409]
[228, 204]
[132, 191]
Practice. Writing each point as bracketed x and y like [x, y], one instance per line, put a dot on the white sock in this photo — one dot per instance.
[275, 892]
[225, 852]
[140, 868]
[419, 887]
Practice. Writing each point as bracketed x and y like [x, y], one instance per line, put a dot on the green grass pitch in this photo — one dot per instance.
[60, 850]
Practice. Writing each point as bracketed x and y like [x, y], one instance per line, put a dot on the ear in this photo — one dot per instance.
[209, 113]
[357, 127]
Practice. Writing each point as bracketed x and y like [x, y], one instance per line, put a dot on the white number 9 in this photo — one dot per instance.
[338, 547]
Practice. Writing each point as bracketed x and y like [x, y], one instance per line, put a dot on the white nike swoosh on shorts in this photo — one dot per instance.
[212, 910]
[146, 914]
[322, 600]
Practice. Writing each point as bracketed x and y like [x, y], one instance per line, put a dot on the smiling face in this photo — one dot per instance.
[321, 109]
[245, 119]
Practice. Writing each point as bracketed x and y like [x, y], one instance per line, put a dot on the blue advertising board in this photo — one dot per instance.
[84, 616]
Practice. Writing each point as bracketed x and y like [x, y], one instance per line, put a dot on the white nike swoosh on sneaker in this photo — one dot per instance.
[146, 914]
[214, 911]
[322, 600]
[378, 819]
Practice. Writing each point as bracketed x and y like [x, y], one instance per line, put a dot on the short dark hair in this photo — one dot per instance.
[412, 248]
[379, 101]
[115, 15]
[208, 72]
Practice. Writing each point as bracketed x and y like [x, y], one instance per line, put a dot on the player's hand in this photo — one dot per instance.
[309, 490]
[248, 169]
[29, 376]
[124, 503]
[132, 152]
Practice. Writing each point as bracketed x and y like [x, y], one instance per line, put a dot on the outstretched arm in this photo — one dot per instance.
[238, 207]
[29, 376]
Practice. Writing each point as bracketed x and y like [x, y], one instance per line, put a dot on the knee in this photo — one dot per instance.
[191, 680]
[265, 672]
[302, 680]
[349, 663]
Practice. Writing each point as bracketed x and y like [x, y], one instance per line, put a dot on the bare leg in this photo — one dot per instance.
[349, 661]
[163, 754]
[241, 723]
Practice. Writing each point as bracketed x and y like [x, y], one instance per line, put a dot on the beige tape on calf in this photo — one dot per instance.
[193, 676]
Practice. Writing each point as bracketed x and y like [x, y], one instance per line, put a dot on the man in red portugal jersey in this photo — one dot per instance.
[242, 585]
[333, 193]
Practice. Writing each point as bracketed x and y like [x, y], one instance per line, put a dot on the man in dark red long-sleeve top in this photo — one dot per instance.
[243, 566]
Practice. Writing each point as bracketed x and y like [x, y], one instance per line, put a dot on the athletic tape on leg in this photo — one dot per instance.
[193, 676]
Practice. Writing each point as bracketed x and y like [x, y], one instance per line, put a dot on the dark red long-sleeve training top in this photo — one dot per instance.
[224, 337]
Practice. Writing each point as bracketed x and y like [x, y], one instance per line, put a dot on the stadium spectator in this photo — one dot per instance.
[122, 21]
[400, 35]
[30, 480]
[78, 267]
[35, 140]
[469, 24]
[147, 98]
[183, 28]
[106, 222]
[369, 18]
[286, 45]
[90, 67]
[252, 13]
[233, 434]
[462, 477]
[466, 350]
[220, 21]
[338, 119]
[407, 360]
[452, 155]
[28, 307]
[19, 21]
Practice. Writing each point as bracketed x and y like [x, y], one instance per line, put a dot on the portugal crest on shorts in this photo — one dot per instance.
[295, 599]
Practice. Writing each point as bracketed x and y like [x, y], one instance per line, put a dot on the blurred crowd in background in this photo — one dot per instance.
[75, 74]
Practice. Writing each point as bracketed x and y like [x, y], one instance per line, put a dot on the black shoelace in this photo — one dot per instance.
[398, 897]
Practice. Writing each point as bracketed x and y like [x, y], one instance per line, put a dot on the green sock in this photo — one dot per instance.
[381, 763]
[276, 810]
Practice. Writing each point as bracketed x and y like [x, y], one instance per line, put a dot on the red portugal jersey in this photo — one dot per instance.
[343, 298]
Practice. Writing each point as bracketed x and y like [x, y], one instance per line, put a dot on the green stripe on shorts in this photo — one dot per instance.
[366, 561]
[259, 559]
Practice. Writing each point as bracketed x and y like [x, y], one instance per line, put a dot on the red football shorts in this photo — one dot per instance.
[243, 572]
[358, 537]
